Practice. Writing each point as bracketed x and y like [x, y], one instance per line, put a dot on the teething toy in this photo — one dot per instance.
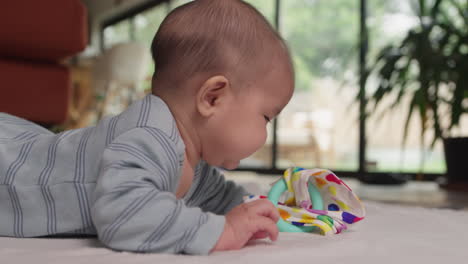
[275, 193]
[315, 199]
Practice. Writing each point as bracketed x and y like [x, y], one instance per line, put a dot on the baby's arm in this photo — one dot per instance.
[134, 208]
[215, 194]
[244, 221]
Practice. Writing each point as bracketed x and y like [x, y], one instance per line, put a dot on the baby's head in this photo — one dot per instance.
[225, 73]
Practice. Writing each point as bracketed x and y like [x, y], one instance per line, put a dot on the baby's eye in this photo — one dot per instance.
[266, 118]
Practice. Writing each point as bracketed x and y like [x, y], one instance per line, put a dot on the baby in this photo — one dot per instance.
[146, 180]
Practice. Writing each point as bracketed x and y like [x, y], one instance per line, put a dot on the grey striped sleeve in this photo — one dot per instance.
[215, 194]
[134, 207]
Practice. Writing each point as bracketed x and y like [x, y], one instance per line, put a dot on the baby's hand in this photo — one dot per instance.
[248, 221]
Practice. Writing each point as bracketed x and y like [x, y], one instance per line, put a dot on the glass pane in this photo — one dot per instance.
[319, 127]
[117, 33]
[176, 3]
[389, 23]
[147, 23]
[146, 26]
[266, 7]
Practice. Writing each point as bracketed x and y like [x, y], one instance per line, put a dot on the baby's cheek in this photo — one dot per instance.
[260, 136]
[258, 139]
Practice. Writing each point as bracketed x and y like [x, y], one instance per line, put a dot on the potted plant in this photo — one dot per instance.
[430, 65]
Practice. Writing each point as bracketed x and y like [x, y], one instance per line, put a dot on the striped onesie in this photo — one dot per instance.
[117, 179]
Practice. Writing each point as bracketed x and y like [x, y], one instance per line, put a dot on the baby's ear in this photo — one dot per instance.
[212, 93]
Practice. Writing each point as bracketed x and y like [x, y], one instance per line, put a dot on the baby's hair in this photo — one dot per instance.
[227, 37]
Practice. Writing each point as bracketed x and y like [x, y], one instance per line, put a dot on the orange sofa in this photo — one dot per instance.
[35, 37]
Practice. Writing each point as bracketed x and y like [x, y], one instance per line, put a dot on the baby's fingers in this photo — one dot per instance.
[265, 208]
[265, 225]
[260, 235]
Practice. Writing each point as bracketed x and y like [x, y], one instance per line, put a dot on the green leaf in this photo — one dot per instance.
[412, 105]
[462, 11]
[457, 100]
[434, 106]
[435, 9]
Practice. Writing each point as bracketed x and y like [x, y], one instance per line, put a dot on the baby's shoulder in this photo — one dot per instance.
[150, 111]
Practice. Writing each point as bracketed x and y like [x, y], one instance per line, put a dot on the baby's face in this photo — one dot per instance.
[243, 129]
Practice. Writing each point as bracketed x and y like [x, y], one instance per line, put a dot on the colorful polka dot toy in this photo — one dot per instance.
[310, 200]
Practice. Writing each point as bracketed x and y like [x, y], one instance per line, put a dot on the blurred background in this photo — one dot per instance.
[381, 85]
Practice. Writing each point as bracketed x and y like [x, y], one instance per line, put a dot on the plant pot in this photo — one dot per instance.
[456, 159]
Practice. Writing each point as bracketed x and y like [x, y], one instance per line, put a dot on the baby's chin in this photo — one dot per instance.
[230, 165]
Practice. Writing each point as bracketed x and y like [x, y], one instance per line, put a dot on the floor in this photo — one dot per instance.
[413, 193]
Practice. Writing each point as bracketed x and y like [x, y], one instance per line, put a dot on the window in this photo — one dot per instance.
[146, 24]
[320, 126]
[266, 7]
[117, 33]
[389, 22]
[175, 3]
